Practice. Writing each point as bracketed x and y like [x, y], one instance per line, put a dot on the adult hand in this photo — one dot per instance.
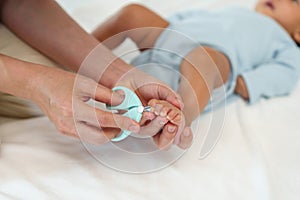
[173, 120]
[147, 88]
[65, 103]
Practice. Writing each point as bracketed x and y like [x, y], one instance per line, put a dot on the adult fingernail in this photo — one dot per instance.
[186, 133]
[179, 101]
[134, 129]
[171, 129]
[181, 105]
[119, 95]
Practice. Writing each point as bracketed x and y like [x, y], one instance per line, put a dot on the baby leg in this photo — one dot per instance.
[147, 24]
[202, 70]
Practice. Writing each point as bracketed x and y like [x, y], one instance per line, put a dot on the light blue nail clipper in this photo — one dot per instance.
[134, 107]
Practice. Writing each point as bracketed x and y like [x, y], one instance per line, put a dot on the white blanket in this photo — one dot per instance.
[255, 158]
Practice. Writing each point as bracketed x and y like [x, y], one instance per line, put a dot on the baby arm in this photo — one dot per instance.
[241, 88]
[275, 78]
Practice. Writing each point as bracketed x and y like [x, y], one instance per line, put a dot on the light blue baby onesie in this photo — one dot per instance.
[258, 48]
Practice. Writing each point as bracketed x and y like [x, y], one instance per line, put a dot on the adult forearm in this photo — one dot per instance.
[45, 25]
[18, 78]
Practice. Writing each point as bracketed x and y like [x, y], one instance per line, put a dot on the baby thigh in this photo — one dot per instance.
[143, 25]
[202, 70]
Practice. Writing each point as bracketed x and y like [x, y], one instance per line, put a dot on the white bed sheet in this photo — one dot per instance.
[257, 156]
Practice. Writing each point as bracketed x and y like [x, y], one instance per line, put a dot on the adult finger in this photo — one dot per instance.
[107, 96]
[104, 119]
[95, 135]
[180, 127]
[165, 93]
[166, 138]
[186, 138]
[154, 126]
[87, 132]
[79, 130]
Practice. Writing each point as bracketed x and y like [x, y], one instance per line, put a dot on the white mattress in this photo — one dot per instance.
[256, 156]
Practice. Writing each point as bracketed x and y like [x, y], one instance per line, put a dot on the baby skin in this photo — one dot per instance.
[164, 115]
[202, 70]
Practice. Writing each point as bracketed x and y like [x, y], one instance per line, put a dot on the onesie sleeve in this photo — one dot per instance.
[276, 78]
[185, 14]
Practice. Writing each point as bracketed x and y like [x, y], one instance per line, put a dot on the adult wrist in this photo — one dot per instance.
[104, 67]
[118, 71]
[36, 86]
[18, 77]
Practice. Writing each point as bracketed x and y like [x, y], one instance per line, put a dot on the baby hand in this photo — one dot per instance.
[241, 88]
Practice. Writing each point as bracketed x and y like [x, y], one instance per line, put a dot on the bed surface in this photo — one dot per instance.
[256, 157]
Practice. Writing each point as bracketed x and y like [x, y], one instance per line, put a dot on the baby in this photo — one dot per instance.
[251, 53]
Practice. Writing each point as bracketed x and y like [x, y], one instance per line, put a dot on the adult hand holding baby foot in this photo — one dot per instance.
[167, 125]
[164, 132]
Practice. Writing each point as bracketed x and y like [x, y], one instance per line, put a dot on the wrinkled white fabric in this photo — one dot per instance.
[257, 156]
